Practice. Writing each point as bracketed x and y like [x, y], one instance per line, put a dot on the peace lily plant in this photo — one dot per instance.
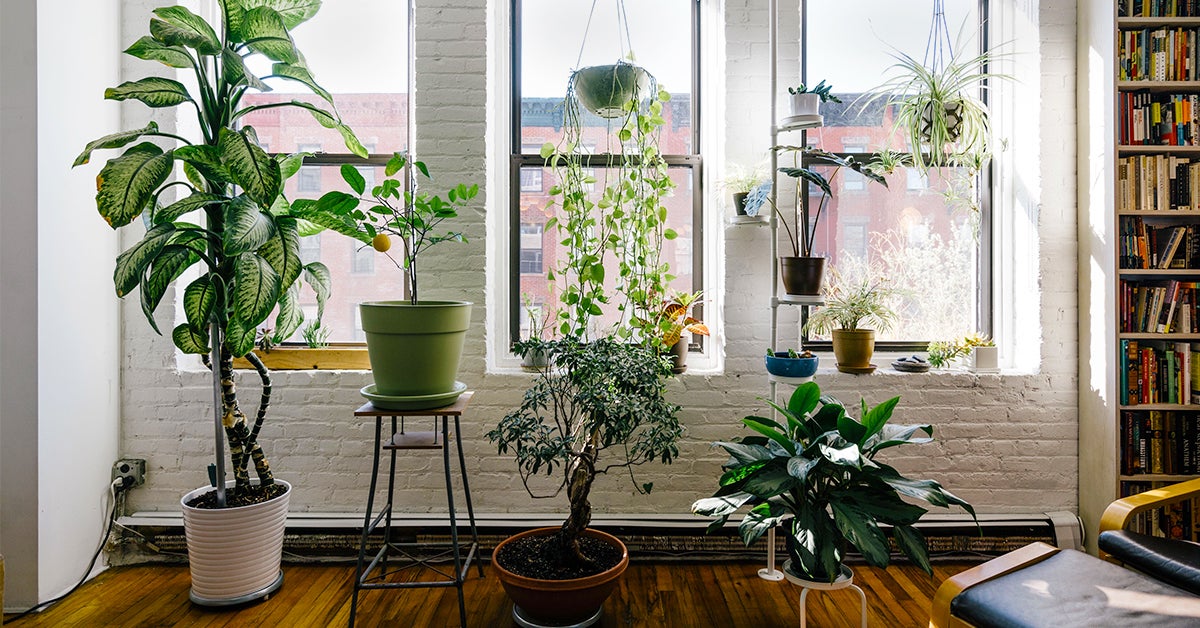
[243, 236]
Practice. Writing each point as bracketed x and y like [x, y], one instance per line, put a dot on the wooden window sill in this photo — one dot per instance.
[332, 358]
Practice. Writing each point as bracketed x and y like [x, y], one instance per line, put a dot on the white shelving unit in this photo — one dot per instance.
[779, 126]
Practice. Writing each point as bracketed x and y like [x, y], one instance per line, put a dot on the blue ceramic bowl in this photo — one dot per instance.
[780, 364]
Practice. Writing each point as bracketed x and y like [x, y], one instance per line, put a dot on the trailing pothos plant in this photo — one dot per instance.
[622, 220]
[412, 216]
[818, 469]
[247, 241]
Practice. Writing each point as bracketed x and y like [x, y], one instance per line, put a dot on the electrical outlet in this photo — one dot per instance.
[131, 467]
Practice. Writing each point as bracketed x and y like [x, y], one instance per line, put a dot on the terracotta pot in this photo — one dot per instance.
[234, 553]
[678, 354]
[853, 348]
[802, 275]
[561, 601]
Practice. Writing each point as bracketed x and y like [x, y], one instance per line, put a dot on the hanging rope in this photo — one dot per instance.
[938, 48]
[626, 43]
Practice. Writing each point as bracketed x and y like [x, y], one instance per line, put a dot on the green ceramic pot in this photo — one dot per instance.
[415, 349]
[604, 89]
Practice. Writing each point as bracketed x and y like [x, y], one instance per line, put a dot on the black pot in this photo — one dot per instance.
[678, 354]
[802, 275]
[739, 203]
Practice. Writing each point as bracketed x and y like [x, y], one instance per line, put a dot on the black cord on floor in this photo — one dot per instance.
[112, 516]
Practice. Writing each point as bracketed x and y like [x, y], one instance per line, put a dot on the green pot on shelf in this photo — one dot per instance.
[415, 349]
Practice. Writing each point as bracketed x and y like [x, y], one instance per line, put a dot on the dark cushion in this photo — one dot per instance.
[1174, 562]
[1075, 589]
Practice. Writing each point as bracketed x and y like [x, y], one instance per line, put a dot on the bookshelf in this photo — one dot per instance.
[1156, 211]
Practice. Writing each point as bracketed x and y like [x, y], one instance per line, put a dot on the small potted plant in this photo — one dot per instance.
[802, 272]
[597, 406]
[414, 345]
[791, 364]
[665, 328]
[817, 474]
[943, 352]
[850, 307]
[533, 354]
[740, 183]
[807, 101]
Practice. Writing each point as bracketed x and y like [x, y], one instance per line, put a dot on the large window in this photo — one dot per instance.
[546, 39]
[370, 83]
[918, 228]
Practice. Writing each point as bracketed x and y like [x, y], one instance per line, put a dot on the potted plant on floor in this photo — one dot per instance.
[598, 406]
[414, 345]
[817, 474]
[851, 305]
[247, 248]
[803, 272]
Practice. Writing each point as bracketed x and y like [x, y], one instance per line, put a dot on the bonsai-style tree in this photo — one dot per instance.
[246, 241]
[818, 468]
[592, 402]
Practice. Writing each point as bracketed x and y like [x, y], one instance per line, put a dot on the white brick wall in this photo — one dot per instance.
[1005, 443]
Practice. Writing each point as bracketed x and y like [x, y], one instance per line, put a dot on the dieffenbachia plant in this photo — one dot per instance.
[247, 243]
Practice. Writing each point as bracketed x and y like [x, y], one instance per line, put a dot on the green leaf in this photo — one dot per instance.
[850, 429]
[264, 31]
[186, 205]
[207, 161]
[290, 165]
[804, 399]
[354, 178]
[290, 315]
[178, 26]
[926, 490]
[321, 281]
[199, 298]
[126, 183]
[761, 518]
[799, 466]
[893, 435]
[875, 418]
[720, 506]
[300, 74]
[862, 531]
[848, 456]
[170, 263]
[246, 227]
[332, 212]
[255, 289]
[282, 250]
[293, 12]
[745, 454]
[395, 164]
[190, 340]
[132, 264]
[150, 49]
[234, 11]
[252, 168]
[771, 430]
[770, 481]
[827, 417]
[811, 176]
[115, 140]
[912, 543]
[239, 337]
[235, 72]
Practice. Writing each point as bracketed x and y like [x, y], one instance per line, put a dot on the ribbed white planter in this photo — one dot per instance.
[234, 553]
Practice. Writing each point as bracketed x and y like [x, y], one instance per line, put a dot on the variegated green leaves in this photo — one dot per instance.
[126, 184]
[250, 166]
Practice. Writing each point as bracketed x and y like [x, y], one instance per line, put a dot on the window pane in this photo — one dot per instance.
[369, 80]
[660, 33]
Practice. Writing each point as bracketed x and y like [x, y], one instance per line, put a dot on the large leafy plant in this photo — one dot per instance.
[246, 242]
[396, 209]
[590, 403]
[818, 468]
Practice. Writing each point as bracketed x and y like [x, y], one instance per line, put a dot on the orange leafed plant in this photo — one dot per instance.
[676, 317]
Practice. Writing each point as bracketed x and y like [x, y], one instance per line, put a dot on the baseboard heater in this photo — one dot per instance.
[320, 537]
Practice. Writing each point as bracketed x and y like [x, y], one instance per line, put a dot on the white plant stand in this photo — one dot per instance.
[844, 581]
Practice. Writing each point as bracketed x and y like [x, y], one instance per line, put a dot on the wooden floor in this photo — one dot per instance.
[663, 595]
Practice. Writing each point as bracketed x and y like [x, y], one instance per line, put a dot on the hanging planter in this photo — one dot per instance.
[607, 90]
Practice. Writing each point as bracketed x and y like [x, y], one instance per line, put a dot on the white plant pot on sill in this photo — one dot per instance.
[984, 360]
[805, 109]
[234, 553]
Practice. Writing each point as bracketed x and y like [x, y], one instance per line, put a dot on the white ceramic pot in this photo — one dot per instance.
[806, 104]
[984, 360]
[234, 553]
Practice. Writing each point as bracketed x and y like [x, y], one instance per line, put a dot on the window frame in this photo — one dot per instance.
[984, 311]
[518, 160]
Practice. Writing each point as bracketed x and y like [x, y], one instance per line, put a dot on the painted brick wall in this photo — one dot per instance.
[1006, 443]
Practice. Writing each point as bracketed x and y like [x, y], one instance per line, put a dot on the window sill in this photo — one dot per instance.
[332, 358]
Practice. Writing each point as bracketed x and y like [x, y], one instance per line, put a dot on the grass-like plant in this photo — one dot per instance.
[850, 304]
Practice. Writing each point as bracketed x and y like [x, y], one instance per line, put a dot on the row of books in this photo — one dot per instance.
[1160, 54]
[1158, 183]
[1175, 521]
[1160, 309]
[1158, 8]
[1149, 246]
[1148, 119]
[1159, 372]
[1160, 442]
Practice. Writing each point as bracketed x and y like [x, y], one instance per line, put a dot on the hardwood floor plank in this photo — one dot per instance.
[651, 594]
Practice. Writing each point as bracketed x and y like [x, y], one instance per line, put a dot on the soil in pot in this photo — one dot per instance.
[543, 557]
[256, 495]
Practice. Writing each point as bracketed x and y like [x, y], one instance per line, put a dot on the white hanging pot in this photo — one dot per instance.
[234, 553]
